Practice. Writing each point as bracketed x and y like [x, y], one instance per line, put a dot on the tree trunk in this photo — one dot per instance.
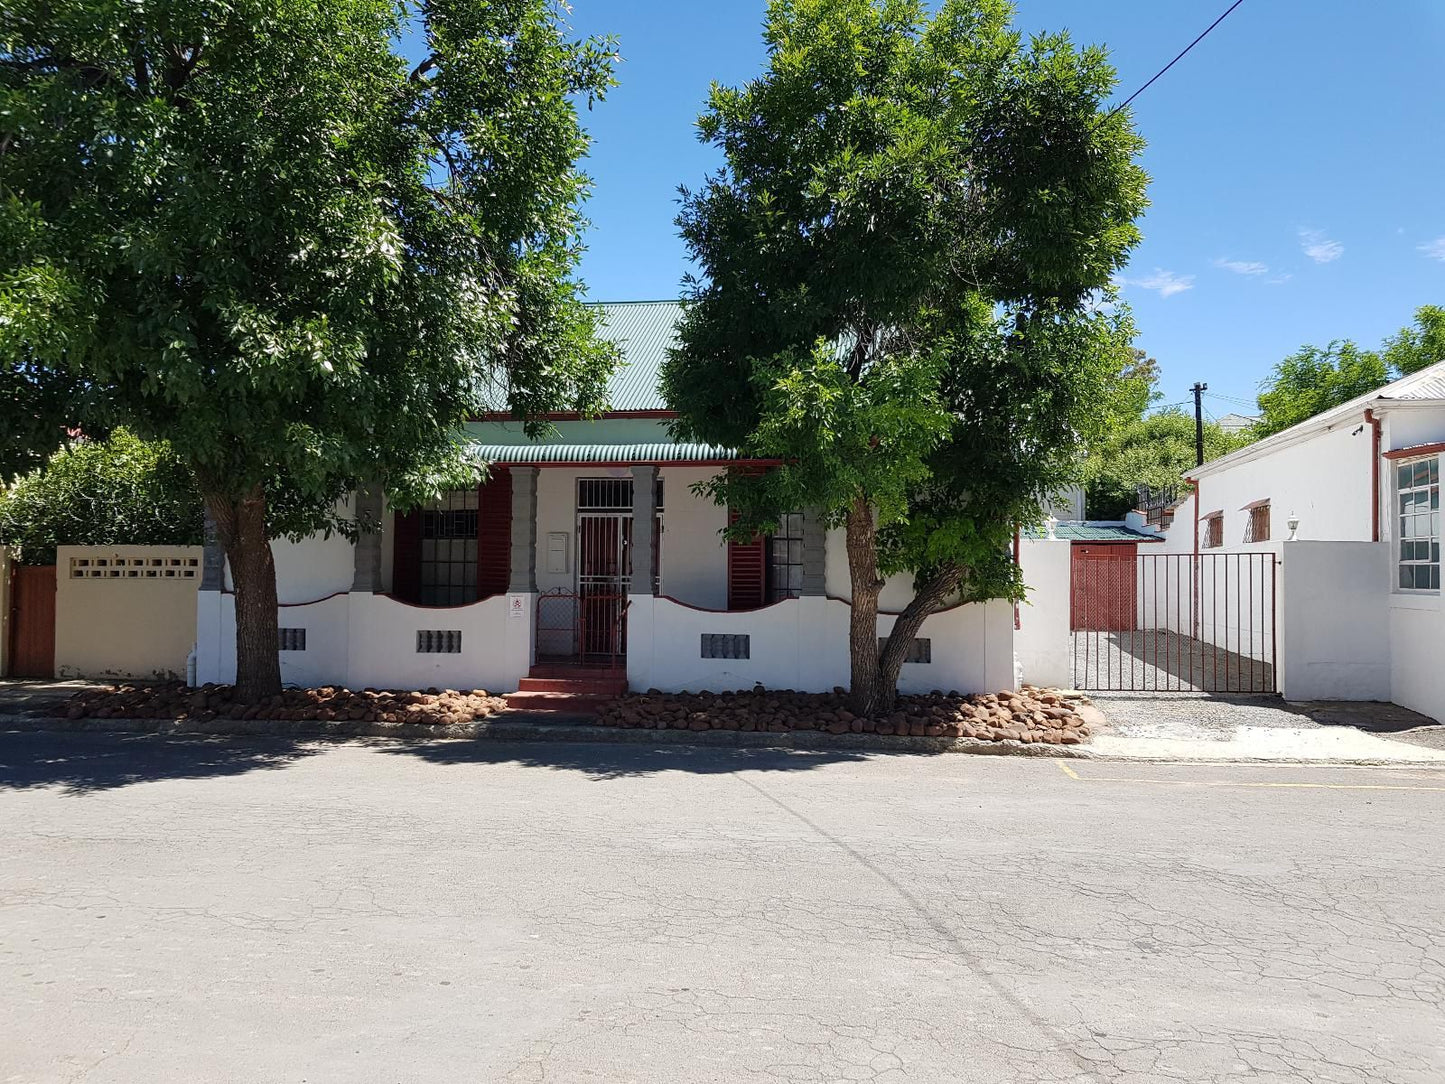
[241, 531]
[860, 532]
[926, 600]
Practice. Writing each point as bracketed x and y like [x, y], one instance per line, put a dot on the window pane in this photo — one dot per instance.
[1407, 576]
[1403, 476]
[1434, 470]
[1422, 474]
[1434, 577]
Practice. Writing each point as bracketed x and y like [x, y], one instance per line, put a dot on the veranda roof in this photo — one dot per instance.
[557, 455]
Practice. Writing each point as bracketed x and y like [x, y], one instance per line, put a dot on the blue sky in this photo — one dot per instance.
[1297, 157]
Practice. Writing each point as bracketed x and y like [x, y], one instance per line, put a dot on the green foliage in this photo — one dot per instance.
[99, 493]
[902, 262]
[253, 229]
[1156, 451]
[1314, 379]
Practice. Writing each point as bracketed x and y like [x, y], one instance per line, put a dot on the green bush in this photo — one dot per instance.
[120, 491]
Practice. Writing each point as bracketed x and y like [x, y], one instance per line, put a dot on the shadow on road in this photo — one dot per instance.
[601, 762]
[86, 763]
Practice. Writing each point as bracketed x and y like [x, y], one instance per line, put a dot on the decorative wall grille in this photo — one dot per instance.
[439, 641]
[725, 645]
[293, 639]
[134, 568]
[921, 650]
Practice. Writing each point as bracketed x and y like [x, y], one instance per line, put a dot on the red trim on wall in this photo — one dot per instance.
[1375, 434]
[1417, 450]
[494, 534]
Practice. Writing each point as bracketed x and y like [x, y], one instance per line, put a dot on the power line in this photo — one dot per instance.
[1232, 399]
[1176, 60]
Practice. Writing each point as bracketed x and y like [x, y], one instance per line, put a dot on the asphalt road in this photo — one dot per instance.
[225, 910]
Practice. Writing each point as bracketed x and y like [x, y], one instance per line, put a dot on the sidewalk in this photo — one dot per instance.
[1199, 727]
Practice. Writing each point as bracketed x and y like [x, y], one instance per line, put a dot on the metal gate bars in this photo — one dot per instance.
[1174, 622]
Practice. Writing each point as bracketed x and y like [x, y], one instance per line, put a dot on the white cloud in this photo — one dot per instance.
[1243, 267]
[1434, 249]
[1318, 247]
[1165, 283]
[1278, 280]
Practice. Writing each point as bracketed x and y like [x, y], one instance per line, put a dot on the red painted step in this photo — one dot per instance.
[561, 703]
[608, 687]
[574, 690]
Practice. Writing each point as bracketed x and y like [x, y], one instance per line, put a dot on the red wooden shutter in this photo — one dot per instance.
[747, 572]
[406, 556]
[494, 534]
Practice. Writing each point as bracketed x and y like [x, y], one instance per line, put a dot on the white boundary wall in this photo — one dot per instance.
[1043, 643]
[1334, 621]
[125, 611]
[802, 644]
[363, 640]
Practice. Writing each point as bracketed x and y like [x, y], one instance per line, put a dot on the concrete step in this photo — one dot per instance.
[579, 686]
[562, 703]
[572, 670]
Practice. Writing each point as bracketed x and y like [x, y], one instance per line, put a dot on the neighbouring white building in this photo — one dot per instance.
[588, 549]
[1349, 503]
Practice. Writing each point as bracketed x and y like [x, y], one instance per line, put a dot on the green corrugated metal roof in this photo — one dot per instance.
[1094, 532]
[645, 330]
[600, 453]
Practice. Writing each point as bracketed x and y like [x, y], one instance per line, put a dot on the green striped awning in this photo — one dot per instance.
[590, 454]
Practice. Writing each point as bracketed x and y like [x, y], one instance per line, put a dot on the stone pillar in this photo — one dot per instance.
[366, 556]
[213, 558]
[815, 562]
[644, 515]
[524, 531]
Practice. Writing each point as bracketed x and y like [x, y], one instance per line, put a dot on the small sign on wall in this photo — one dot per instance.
[517, 606]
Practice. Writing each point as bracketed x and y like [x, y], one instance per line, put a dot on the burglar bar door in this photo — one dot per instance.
[604, 565]
[1175, 622]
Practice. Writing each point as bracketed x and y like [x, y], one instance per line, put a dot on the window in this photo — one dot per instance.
[1257, 529]
[1214, 531]
[449, 549]
[1417, 489]
[785, 558]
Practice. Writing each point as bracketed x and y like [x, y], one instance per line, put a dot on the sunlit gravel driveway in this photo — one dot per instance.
[269, 912]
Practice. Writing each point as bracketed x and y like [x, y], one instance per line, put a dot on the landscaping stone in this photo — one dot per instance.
[1029, 716]
[174, 700]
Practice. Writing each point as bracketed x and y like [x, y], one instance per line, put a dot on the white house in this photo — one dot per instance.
[1349, 502]
[533, 579]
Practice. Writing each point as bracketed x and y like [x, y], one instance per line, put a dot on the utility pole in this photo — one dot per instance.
[1199, 390]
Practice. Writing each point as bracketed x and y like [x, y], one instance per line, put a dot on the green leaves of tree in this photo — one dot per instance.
[1314, 379]
[119, 491]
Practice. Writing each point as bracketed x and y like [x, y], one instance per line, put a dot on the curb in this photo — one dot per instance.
[531, 730]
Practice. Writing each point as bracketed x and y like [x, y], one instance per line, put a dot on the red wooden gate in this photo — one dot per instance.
[1104, 593]
[32, 621]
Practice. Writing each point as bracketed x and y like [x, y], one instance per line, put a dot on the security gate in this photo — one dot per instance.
[1173, 622]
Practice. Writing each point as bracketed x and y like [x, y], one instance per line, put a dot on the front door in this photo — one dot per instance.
[604, 566]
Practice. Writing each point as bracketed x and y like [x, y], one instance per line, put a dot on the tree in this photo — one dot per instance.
[1314, 379]
[901, 268]
[99, 493]
[1155, 451]
[254, 230]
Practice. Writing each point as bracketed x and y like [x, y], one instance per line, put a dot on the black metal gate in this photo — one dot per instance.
[1174, 622]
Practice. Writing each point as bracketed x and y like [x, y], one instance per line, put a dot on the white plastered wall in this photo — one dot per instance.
[802, 644]
[1042, 642]
[1334, 621]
